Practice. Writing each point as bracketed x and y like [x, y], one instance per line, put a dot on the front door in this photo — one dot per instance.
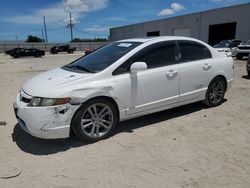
[158, 86]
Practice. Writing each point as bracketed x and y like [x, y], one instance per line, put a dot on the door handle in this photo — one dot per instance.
[207, 66]
[171, 73]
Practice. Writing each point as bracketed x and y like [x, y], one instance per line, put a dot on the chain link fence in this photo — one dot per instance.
[80, 46]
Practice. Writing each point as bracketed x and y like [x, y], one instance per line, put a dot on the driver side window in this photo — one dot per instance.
[156, 55]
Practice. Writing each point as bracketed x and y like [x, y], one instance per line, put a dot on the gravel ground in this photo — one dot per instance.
[187, 147]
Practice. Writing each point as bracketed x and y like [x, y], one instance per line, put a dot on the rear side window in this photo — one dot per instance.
[156, 55]
[191, 51]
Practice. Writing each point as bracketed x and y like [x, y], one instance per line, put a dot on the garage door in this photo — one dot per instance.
[186, 32]
[221, 32]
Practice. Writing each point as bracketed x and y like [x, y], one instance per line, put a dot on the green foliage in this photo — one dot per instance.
[90, 40]
[32, 38]
[76, 40]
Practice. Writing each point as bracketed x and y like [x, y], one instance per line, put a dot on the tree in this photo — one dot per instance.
[32, 38]
[76, 40]
[89, 40]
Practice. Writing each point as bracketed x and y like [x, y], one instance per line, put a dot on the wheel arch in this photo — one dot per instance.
[223, 77]
[112, 100]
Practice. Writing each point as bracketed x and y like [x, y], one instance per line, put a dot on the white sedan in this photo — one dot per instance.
[120, 81]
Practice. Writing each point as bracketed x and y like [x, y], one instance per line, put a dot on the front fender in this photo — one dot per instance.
[80, 96]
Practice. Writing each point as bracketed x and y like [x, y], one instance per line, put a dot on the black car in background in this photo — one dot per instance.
[248, 66]
[28, 52]
[12, 50]
[63, 48]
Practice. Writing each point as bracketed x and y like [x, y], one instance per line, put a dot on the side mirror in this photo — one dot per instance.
[138, 66]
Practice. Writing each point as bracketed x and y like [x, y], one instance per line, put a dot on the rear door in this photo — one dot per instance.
[195, 69]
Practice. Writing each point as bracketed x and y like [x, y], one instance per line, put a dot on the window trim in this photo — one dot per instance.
[141, 51]
[190, 41]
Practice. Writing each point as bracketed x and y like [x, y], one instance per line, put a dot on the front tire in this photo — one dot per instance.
[248, 72]
[215, 92]
[95, 120]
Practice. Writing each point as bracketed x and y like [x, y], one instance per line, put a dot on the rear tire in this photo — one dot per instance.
[239, 56]
[248, 72]
[215, 92]
[16, 56]
[95, 120]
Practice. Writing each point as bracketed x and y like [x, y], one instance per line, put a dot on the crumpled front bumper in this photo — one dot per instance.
[49, 122]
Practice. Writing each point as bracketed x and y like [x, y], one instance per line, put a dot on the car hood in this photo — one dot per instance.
[44, 84]
[223, 49]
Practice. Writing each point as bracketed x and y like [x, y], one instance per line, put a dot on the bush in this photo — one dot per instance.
[32, 38]
[90, 40]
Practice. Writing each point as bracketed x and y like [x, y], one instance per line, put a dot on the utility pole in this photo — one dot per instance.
[45, 30]
[43, 36]
[70, 25]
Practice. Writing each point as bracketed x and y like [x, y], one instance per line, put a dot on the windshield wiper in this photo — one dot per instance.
[79, 68]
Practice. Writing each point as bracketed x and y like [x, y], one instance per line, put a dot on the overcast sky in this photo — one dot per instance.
[92, 18]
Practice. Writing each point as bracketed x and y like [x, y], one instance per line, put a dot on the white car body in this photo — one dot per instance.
[243, 50]
[146, 92]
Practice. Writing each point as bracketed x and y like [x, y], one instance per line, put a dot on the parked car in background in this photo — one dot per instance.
[27, 52]
[228, 46]
[120, 81]
[243, 50]
[12, 50]
[88, 51]
[248, 65]
[62, 48]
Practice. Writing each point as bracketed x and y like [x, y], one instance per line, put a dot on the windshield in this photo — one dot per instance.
[222, 45]
[102, 58]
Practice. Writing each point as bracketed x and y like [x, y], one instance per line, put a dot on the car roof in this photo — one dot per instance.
[163, 38]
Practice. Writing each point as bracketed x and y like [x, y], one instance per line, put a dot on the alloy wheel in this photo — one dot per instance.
[216, 92]
[97, 120]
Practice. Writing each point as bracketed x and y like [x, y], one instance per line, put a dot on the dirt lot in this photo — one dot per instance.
[186, 147]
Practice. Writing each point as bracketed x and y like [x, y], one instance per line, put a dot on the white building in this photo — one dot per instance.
[211, 26]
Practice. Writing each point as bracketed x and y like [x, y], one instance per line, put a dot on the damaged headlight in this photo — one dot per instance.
[38, 101]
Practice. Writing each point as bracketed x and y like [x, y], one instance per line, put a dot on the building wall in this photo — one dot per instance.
[159, 25]
[198, 23]
[239, 14]
[191, 22]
